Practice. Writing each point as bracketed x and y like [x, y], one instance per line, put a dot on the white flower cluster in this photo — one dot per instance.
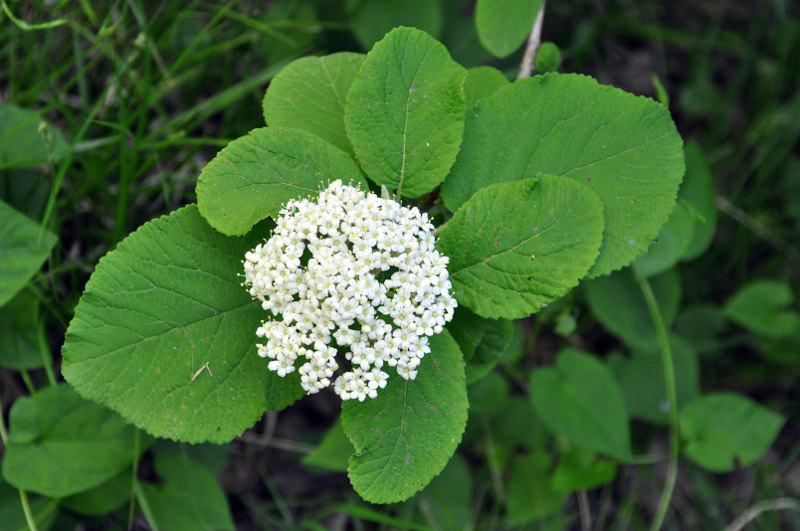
[354, 273]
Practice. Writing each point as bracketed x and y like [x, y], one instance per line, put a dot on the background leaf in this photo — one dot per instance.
[487, 354]
[722, 429]
[21, 251]
[28, 140]
[446, 503]
[104, 498]
[641, 378]
[503, 25]
[515, 247]
[190, 497]
[60, 444]
[333, 452]
[580, 400]
[617, 302]
[625, 148]
[254, 176]
[19, 333]
[670, 245]
[698, 190]
[405, 436]
[531, 494]
[481, 82]
[759, 306]
[166, 301]
[467, 328]
[405, 112]
[310, 94]
[581, 469]
[371, 21]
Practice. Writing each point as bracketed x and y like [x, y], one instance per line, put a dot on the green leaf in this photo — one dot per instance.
[27, 140]
[698, 190]
[548, 58]
[670, 246]
[503, 25]
[617, 302]
[515, 247]
[333, 452]
[255, 175]
[641, 378]
[60, 444]
[489, 394]
[405, 436]
[519, 426]
[723, 429]
[19, 333]
[162, 305]
[405, 112]
[531, 494]
[21, 251]
[190, 498]
[759, 307]
[310, 94]
[580, 400]
[102, 499]
[446, 503]
[481, 82]
[467, 329]
[580, 469]
[624, 147]
[701, 325]
[371, 21]
[490, 350]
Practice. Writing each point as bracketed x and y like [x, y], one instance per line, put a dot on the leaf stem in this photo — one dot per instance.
[137, 441]
[672, 398]
[26, 508]
[534, 41]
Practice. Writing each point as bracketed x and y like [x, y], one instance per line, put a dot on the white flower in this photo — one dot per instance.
[354, 275]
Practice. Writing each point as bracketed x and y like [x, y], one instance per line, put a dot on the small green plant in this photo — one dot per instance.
[549, 180]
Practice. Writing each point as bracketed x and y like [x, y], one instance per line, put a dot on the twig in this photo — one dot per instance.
[750, 514]
[534, 41]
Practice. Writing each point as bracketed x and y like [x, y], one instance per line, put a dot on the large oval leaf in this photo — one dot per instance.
[515, 247]
[164, 304]
[405, 112]
[22, 253]
[580, 400]
[504, 24]
[60, 444]
[310, 94]
[253, 176]
[625, 148]
[405, 436]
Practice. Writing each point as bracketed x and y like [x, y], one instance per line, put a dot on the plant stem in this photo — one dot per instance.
[135, 490]
[26, 508]
[669, 383]
[534, 41]
[778, 504]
